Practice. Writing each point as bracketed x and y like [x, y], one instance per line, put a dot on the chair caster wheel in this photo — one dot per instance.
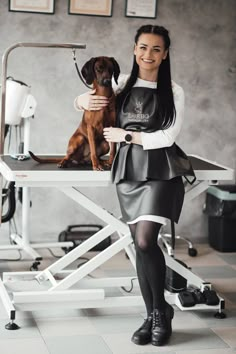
[34, 266]
[192, 252]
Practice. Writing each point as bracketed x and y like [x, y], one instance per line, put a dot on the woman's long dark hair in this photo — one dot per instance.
[164, 91]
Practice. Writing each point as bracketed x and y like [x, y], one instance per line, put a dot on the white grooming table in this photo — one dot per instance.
[55, 286]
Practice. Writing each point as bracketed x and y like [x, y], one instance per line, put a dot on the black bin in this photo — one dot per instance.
[221, 210]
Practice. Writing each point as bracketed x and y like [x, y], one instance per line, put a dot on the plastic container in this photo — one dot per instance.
[221, 210]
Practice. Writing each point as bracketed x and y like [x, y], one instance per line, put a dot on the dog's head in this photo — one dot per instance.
[101, 69]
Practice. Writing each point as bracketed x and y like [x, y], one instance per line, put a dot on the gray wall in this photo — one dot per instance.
[203, 63]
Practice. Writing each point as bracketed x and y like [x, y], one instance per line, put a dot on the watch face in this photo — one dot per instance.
[128, 137]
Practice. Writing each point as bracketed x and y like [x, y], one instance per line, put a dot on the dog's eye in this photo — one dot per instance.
[99, 69]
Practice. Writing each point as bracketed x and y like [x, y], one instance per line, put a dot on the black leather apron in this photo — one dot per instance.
[149, 182]
[139, 112]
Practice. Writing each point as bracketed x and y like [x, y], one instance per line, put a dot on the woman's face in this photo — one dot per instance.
[150, 51]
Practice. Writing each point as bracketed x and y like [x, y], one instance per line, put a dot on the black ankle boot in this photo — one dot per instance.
[161, 326]
[143, 335]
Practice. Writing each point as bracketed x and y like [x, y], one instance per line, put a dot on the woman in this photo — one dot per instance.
[148, 167]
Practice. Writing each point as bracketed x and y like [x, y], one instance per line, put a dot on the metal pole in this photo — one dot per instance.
[3, 92]
[4, 74]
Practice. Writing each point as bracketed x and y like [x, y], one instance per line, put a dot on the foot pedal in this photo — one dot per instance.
[211, 297]
[198, 296]
[186, 299]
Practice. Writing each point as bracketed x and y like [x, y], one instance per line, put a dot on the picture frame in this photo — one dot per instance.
[32, 6]
[141, 8]
[91, 7]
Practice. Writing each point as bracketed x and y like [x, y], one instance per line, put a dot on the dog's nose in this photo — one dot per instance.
[106, 82]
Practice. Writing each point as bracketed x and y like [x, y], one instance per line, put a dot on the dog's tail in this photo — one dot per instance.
[46, 160]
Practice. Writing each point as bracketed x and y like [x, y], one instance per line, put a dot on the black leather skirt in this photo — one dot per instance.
[151, 197]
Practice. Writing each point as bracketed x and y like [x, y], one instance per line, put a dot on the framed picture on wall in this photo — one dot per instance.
[90, 7]
[38, 6]
[141, 8]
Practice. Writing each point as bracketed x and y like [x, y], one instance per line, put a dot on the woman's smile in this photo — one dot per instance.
[147, 60]
[149, 51]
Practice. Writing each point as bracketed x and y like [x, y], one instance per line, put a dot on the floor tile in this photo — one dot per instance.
[209, 351]
[121, 344]
[230, 305]
[188, 339]
[23, 346]
[77, 344]
[227, 334]
[58, 313]
[121, 272]
[28, 329]
[213, 322]
[116, 324]
[223, 285]
[147, 352]
[215, 272]
[229, 258]
[184, 319]
[231, 297]
[118, 261]
[203, 258]
[181, 340]
[70, 326]
[109, 330]
[109, 311]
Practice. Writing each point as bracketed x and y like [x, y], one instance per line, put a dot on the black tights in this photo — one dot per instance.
[150, 263]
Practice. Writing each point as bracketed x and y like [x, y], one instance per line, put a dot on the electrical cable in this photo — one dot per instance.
[53, 254]
[131, 287]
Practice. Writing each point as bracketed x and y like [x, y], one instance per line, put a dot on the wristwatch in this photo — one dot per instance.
[128, 138]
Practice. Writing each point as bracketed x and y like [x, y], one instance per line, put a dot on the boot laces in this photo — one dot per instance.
[146, 323]
[159, 319]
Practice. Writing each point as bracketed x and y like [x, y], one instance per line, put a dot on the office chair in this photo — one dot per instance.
[168, 241]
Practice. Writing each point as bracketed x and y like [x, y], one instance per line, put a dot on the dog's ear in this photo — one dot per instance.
[116, 69]
[88, 71]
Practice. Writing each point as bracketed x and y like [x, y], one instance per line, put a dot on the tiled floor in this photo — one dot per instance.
[107, 331]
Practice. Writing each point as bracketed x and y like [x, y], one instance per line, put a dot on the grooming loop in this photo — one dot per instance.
[77, 69]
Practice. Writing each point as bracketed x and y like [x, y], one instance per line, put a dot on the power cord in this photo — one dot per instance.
[131, 287]
[53, 254]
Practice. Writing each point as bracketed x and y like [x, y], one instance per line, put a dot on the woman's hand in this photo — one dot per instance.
[115, 135]
[91, 102]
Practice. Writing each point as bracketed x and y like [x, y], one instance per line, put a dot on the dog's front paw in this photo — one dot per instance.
[62, 164]
[97, 164]
[107, 164]
[98, 168]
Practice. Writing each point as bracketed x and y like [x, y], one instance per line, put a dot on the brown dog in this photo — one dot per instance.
[87, 144]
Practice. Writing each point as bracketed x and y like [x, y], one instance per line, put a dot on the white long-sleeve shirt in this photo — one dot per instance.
[159, 138]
